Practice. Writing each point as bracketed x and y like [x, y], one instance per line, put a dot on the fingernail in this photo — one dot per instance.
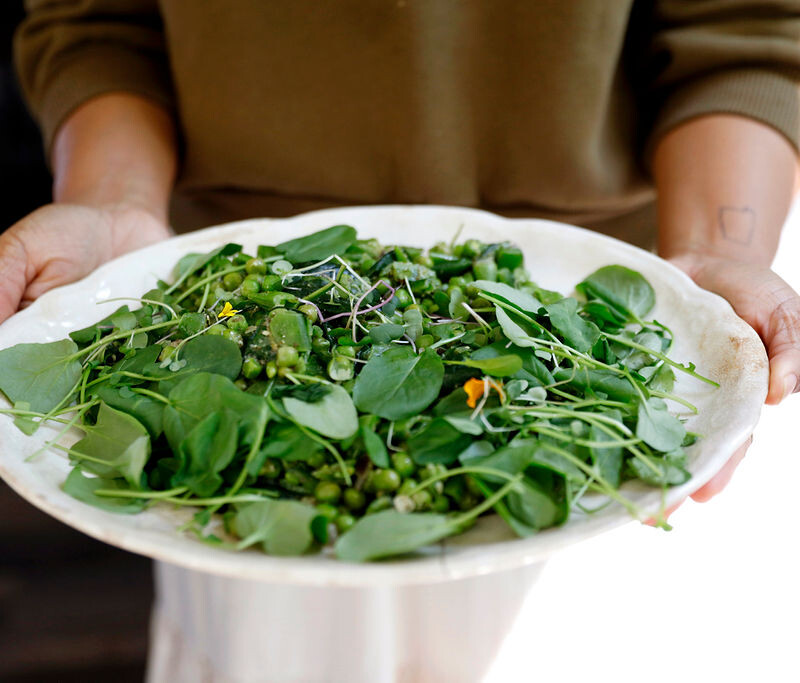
[789, 385]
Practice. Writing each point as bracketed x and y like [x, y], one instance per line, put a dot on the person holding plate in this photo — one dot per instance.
[622, 117]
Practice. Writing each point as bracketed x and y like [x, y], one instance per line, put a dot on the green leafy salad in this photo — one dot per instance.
[332, 391]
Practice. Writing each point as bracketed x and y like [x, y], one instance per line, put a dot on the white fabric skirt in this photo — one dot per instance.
[211, 629]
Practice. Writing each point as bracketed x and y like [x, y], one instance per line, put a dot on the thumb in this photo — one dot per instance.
[15, 271]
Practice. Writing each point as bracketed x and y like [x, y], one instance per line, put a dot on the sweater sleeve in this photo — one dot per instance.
[68, 51]
[722, 56]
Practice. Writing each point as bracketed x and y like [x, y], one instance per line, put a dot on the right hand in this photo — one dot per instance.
[61, 243]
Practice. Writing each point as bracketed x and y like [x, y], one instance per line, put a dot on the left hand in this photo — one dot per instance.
[772, 308]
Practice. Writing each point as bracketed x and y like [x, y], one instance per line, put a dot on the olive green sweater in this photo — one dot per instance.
[535, 107]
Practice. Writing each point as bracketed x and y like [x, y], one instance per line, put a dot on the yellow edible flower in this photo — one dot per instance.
[228, 311]
[475, 389]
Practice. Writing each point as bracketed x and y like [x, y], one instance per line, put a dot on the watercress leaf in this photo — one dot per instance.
[477, 449]
[464, 423]
[208, 353]
[139, 362]
[516, 297]
[657, 427]
[625, 290]
[376, 449]
[203, 393]
[88, 334]
[514, 332]
[497, 366]
[437, 442]
[83, 489]
[398, 383]
[282, 527]
[206, 451]
[663, 379]
[579, 333]
[117, 444]
[287, 442]
[672, 472]
[607, 459]
[640, 359]
[615, 386]
[318, 245]
[147, 410]
[533, 505]
[386, 332]
[558, 463]
[25, 423]
[533, 370]
[388, 533]
[334, 415]
[191, 263]
[43, 375]
[511, 459]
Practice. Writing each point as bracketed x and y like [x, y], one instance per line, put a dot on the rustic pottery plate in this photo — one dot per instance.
[707, 332]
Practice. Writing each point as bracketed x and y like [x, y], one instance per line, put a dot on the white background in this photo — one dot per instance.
[716, 599]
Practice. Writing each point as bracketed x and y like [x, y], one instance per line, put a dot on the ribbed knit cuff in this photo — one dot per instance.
[93, 71]
[767, 96]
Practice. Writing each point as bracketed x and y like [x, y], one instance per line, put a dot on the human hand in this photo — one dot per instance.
[60, 243]
[772, 308]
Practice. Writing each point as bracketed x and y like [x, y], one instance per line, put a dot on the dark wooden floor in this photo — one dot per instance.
[71, 608]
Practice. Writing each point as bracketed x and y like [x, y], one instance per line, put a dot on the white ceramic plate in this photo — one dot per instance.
[707, 332]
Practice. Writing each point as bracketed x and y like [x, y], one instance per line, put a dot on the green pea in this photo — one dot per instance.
[237, 323]
[252, 368]
[509, 257]
[250, 288]
[282, 267]
[485, 269]
[271, 469]
[309, 312]
[271, 369]
[457, 281]
[270, 283]
[440, 504]
[321, 345]
[379, 504]
[422, 499]
[287, 357]
[255, 266]
[403, 298]
[233, 335]
[341, 369]
[407, 486]
[386, 480]
[354, 499]
[216, 330]
[328, 511]
[343, 522]
[472, 248]
[231, 281]
[242, 384]
[403, 464]
[315, 460]
[346, 351]
[328, 492]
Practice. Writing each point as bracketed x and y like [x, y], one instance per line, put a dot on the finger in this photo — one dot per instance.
[652, 521]
[782, 337]
[720, 480]
[14, 272]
